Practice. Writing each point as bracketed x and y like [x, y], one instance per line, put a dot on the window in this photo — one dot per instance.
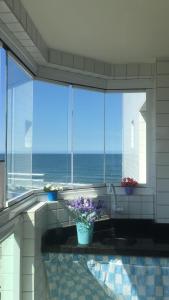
[88, 136]
[134, 136]
[19, 129]
[51, 146]
[113, 137]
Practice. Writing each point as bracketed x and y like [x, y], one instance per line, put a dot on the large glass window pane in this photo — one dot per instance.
[19, 129]
[113, 137]
[125, 136]
[134, 135]
[51, 155]
[88, 136]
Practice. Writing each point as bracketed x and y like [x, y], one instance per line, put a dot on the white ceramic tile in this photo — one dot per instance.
[132, 70]
[134, 208]
[21, 35]
[162, 146]
[161, 220]
[163, 185]
[99, 67]
[65, 224]
[162, 93]
[10, 3]
[145, 69]
[7, 295]
[107, 69]
[15, 27]
[89, 64]
[55, 57]
[147, 198]
[162, 198]
[62, 215]
[124, 206]
[17, 9]
[7, 265]
[162, 171]
[27, 217]
[149, 217]
[28, 265]
[162, 158]
[23, 16]
[162, 132]
[8, 17]
[28, 247]
[163, 67]
[147, 208]
[78, 62]
[52, 216]
[162, 107]
[134, 216]
[120, 216]
[7, 282]
[28, 296]
[113, 70]
[27, 283]
[120, 70]
[3, 7]
[162, 211]
[53, 205]
[67, 59]
[7, 247]
[162, 80]
[29, 230]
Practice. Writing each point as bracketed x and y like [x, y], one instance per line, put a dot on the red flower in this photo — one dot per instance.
[127, 181]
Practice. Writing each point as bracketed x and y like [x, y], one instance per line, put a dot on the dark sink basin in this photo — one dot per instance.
[118, 241]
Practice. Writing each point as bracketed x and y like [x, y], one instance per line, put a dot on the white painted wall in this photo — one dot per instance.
[134, 136]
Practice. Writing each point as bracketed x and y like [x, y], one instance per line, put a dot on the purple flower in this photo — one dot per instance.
[86, 209]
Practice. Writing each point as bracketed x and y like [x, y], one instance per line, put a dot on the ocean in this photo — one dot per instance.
[88, 168]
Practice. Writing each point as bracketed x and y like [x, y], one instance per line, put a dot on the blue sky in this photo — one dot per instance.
[52, 127]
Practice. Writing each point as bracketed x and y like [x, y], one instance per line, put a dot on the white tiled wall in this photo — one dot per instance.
[10, 261]
[138, 206]
[162, 141]
[34, 225]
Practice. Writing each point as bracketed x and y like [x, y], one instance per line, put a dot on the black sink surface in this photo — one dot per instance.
[118, 241]
[112, 237]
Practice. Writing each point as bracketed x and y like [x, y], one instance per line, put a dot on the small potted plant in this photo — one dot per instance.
[129, 184]
[85, 212]
[52, 191]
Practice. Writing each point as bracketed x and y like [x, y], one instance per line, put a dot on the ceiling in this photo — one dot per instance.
[114, 31]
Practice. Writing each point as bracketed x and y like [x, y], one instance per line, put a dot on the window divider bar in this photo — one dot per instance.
[104, 157]
[72, 129]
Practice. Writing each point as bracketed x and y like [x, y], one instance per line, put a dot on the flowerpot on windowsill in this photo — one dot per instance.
[84, 233]
[129, 190]
[52, 195]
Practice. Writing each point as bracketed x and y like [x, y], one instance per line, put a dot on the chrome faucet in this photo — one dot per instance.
[111, 190]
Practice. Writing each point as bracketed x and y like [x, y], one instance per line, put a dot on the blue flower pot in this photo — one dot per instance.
[129, 190]
[84, 233]
[52, 196]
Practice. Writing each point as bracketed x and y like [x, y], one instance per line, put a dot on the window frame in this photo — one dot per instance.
[146, 85]
[21, 197]
[150, 132]
[149, 127]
